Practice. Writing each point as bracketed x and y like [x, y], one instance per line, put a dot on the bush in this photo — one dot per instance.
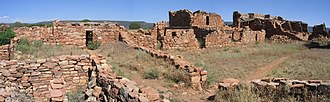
[25, 47]
[93, 45]
[6, 36]
[152, 74]
[134, 26]
[85, 20]
[37, 43]
[76, 96]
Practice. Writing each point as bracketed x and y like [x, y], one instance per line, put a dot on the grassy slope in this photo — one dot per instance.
[237, 62]
[308, 64]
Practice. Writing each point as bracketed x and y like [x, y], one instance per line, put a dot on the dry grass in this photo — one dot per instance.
[307, 64]
[248, 93]
[47, 51]
[237, 62]
[123, 58]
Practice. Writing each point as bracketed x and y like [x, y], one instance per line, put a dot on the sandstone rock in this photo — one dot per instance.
[6, 73]
[58, 99]
[89, 92]
[195, 79]
[97, 91]
[41, 60]
[231, 81]
[143, 99]
[314, 81]
[56, 93]
[151, 93]
[56, 86]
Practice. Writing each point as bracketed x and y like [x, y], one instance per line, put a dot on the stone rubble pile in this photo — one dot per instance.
[296, 86]
[105, 85]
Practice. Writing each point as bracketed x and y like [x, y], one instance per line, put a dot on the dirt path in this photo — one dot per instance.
[262, 71]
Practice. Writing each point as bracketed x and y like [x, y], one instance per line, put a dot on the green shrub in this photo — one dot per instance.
[85, 20]
[93, 45]
[152, 74]
[37, 43]
[23, 45]
[6, 36]
[134, 25]
[76, 96]
[177, 75]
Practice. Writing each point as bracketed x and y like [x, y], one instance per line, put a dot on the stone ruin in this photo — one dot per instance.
[282, 86]
[319, 31]
[72, 33]
[277, 29]
[49, 80]
[195, 30]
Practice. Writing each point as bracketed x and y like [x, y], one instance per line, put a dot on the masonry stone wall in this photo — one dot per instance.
[180, 39]
[273, 25]
[72, 33]
[319, 31]
[4, 52]
[201, 19]
[50, 79]
[33, 76]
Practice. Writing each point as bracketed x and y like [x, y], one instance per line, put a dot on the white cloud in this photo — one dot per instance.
[4, 17]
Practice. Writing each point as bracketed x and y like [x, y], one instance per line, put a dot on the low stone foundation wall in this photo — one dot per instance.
[33, 76]
[50, 79]
[197, 75]
[4, 52]
[296, 86]
[282, 85]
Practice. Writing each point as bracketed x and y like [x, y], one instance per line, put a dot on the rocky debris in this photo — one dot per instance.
[280, 38]
[107, 86]
[296, 86]
[228, 83]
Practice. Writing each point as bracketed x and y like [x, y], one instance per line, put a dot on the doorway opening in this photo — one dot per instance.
[89, 37]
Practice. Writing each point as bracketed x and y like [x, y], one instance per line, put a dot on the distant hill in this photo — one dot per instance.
[126, 24]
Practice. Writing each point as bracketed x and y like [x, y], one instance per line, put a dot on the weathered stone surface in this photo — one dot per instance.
[97, 91]
[151, 93]
[56, 93]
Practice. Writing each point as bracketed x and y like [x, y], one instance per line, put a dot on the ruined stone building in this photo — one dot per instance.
[193, 30]
[275, 26]
[73, 33]
[319, 31]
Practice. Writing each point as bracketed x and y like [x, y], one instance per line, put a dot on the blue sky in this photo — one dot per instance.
[310, 11]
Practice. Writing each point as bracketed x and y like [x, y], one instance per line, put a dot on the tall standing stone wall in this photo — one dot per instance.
[180, 39]
[273, 25]
[72, 33]
[4, 52]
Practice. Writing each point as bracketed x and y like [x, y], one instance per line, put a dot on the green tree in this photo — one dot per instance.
[134, 25]
[86, 20]
[6, 36]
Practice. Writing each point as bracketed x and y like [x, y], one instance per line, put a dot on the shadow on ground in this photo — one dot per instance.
[318, 45]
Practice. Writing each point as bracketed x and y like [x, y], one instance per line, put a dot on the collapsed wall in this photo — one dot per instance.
[273, 25]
